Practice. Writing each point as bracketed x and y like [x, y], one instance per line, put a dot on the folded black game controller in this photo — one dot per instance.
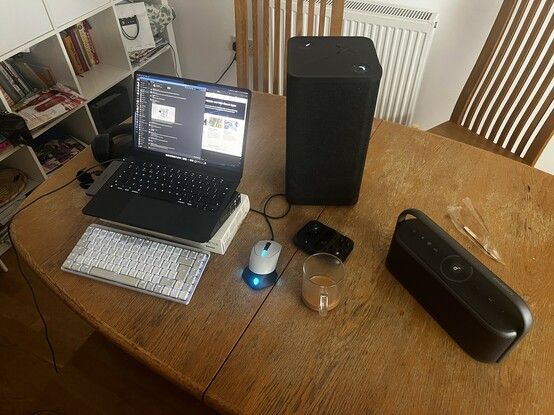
[316, 237]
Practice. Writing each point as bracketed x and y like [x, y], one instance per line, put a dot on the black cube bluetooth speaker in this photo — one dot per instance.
[481, 313]
[332, 87]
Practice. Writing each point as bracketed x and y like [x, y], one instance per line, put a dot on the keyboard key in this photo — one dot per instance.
[123, 279]
[167, 282]
[182, 274]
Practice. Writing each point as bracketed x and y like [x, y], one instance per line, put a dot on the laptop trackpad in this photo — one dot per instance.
[149, 213]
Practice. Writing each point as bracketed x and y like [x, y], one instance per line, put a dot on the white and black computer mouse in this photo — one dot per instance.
[260, 272]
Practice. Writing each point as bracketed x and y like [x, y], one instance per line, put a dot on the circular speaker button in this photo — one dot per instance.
[454, 268]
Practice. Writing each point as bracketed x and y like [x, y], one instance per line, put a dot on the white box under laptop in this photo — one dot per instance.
[219, 242]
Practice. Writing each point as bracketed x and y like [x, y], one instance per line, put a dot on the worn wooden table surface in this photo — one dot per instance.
[187, 344]
[264, 352]
[379, 352]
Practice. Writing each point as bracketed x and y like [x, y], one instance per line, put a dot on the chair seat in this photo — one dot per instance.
[457, 132]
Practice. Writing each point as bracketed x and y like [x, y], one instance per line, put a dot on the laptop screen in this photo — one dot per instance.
[193, 121]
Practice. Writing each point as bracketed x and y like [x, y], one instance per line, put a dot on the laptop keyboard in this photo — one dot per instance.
[159, 181]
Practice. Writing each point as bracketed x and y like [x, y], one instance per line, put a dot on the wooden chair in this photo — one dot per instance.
[506, 105]
[265, 62]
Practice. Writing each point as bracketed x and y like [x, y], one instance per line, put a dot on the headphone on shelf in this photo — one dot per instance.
[114, 144]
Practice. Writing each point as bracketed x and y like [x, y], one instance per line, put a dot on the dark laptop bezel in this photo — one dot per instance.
[231, 173]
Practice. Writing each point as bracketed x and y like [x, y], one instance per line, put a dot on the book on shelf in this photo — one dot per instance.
[48, 105]
[17, 77]
[20, 78]
[79, 31]
[7, 96]
[44, 73]
[56, 151]
[32, 78]
[72, 54]
[80, 47]
[85, 39]
[10, 84]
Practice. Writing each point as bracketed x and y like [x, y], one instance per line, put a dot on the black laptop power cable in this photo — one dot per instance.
[18, 260]
[227, 68]
[267, 216]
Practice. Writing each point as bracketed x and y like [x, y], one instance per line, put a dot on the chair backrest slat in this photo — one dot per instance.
[276, 45]
[492, 71]
[288, 19]
[508, 95]
[520, 107]
[322, 15]
[299, 17]
[491, 101]
[255, 45]
[500, 131]
[336, 18]
[265, 52]
[311, 17]
[537, 146]
[269, 28]
[241, 32]
[288, 34]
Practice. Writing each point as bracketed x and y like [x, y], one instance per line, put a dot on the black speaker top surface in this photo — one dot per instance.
[333, 56]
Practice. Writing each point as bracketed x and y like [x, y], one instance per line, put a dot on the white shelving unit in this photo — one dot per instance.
[35, 26]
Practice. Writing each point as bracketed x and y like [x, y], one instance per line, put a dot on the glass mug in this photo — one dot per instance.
[322, 281]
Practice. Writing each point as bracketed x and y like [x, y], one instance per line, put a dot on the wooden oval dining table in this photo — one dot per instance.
[264, 352]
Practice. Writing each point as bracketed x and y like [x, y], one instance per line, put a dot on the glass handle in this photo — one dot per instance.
[323, 303]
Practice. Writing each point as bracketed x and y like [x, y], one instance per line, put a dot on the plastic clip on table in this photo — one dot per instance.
[241, 350]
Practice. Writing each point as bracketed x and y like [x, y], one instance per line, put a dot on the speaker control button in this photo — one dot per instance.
[454, 268]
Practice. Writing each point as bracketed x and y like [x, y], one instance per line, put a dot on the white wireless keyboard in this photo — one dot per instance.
[149, 265]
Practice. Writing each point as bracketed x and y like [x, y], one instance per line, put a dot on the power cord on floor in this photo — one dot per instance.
[18, 260]
[267, 216]
[28, 282]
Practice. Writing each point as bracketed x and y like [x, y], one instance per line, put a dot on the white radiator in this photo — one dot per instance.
[402, 36]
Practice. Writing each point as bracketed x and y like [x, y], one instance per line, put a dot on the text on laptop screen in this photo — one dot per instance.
[196, 122]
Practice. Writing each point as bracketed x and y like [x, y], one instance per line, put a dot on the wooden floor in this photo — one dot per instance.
[95, 377]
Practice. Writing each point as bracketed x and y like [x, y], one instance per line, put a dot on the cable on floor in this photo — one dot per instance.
[18, 260]
[37, 307]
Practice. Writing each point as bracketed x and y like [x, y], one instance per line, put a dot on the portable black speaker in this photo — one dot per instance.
[481, 313]
[332, 87]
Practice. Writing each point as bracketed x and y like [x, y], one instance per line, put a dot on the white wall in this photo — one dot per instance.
[204, 28]
[203, 31]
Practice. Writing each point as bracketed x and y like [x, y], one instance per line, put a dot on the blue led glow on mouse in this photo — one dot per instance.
[260, 272]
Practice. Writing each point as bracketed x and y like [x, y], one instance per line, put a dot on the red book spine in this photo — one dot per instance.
[91, 43]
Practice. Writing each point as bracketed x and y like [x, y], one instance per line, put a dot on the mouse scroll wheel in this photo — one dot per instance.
[267, 245]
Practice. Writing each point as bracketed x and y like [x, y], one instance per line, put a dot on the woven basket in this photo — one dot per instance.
[12, 183]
